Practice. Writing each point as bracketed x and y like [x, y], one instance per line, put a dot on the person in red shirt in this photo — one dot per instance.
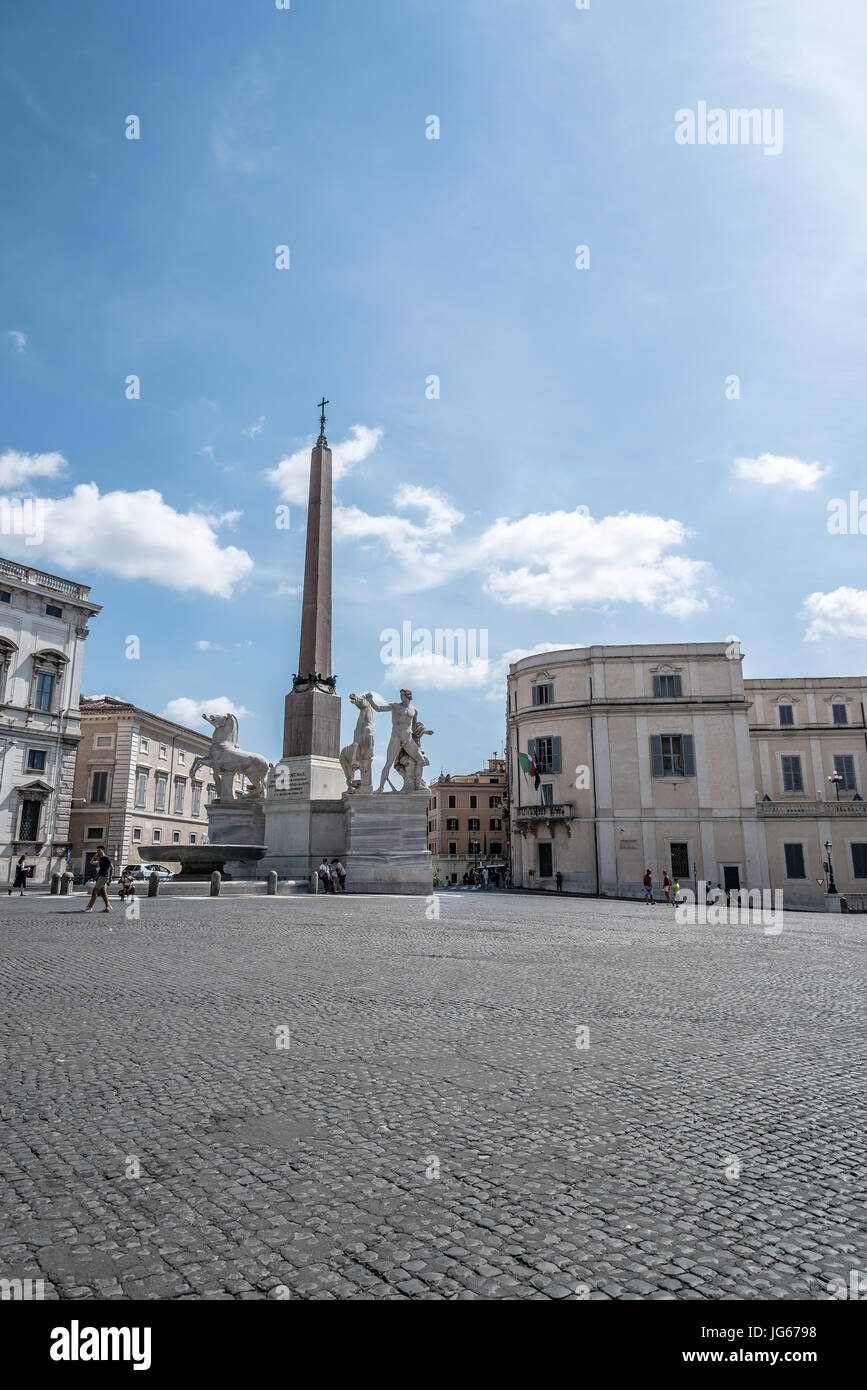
[648, 887]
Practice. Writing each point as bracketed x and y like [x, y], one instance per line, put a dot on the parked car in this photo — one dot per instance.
[142, 872]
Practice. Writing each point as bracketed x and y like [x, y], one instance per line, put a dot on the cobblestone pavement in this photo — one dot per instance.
[434, 1129]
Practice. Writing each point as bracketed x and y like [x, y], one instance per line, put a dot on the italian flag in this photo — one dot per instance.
[529, 766]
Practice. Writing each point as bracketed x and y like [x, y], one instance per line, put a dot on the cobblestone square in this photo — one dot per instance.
[338, 1098]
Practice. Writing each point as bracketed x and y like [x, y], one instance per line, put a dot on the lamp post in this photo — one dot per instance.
[829, 868]
[836, 778]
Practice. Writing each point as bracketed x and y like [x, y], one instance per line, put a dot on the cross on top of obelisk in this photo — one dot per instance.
[322, 419]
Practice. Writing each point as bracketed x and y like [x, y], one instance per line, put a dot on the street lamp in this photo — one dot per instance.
[836, 778]
[829, 868]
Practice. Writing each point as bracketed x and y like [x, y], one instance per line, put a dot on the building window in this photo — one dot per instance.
[160, 802]
[474, 823]
[29, 826]
[52, 611]
[452, 823]
[546, 752]
[145, 745]
[859, 861]
[94, 832]
[844, 766]
[164, 750]
[176, 837]
[667, 687]
[795, 861]
[546, 794]
[141, 788]
[787, 715]
[840, 713]
[453, 847]
[474, 847]
[5, 596]
[543, 694]
[496, 849]
[496, 823]
[180, 791]
[103, 741]
[44, 690]
[494, 801]
[136, 835]
[452, 803]
[793, 778]
[546, 861]
[680, 860]
[99, 788]
[193, 838]
[158, 835]
[672, 755]
[197, 798]
[35, 760]
[474, 801]
[182, 758]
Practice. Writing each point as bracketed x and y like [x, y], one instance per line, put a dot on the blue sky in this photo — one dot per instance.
[577, 480]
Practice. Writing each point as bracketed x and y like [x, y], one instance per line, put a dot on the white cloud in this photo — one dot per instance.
[16, 468]
[287, 590]
[291, 477]
[773, 471]
[205, 646]
[253, 430]
[191, 713]
[18, 338]
[556, 561]
[434, 671]
[841, 613]
[136, 535]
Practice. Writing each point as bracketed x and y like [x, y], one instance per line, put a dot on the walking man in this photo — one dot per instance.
[104, 868]
[20, 875]
[648, 887]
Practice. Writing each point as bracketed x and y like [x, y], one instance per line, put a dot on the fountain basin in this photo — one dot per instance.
[198, 862]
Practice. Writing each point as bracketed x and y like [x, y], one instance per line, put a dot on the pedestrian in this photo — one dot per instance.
[648, 887]
[103, 866]
[325, 876]
[20, 876]
[666, 883]
[558, 879]
[127, 885]
[485, 877]
[338, 872]
[676, 890]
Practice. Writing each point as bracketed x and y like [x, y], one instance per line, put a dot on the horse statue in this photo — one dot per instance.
[357, 756]
[227, 759]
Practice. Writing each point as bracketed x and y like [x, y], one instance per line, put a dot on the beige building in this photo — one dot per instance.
[468, 821]
[43, 626]
[664, 757]
[133, 784]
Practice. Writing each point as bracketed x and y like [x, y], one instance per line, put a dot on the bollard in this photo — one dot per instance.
[215, 884]
[65, 883]
[55, 884]
[154, 886]
[314, 883]
[272, 883]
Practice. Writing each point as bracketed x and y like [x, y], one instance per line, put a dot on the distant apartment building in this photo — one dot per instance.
[664, 757]
[134, 785]
[43, 626]
[468, 821]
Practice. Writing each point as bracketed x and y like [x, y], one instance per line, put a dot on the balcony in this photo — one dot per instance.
[827, 809]
[41, 580]
[559, 811]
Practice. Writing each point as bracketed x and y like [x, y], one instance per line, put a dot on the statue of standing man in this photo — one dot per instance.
[404, 746]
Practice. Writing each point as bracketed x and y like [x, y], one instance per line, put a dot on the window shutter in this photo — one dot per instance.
[657, 765]
[535, 690]
[555, 755]
[688, 753]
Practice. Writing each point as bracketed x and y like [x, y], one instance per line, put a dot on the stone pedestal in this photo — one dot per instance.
[303, 816]
[386, 843]
[239, 822]
[311, 721]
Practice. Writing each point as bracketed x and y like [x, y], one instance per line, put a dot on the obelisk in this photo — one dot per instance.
[311, 721]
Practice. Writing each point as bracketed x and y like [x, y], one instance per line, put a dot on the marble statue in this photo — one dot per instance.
[227, 759]
[404, 746]
[357, 756]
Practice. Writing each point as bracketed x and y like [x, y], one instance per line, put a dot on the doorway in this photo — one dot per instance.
[731, 878]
